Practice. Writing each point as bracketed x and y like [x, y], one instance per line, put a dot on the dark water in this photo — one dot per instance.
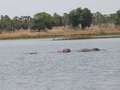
[35, 65]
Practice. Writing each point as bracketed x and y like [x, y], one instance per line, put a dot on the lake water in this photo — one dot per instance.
[34, 64]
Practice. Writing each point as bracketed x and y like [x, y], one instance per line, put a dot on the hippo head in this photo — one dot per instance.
[66, 50]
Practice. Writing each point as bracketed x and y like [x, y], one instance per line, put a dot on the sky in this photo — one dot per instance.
[31, 7]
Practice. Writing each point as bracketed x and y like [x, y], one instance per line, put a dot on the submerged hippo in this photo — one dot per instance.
[82, 50]
[90, 50]
[65, 51]
[31, 53]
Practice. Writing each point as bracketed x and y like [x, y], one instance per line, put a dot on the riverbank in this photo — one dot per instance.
[61, 33]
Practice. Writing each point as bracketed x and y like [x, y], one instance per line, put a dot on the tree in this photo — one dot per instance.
[16, 23]
[99, 19]
[42, 21]
[117, 18]
[5, 23]
[66, 20]
[25, 22]
[86, 18]
[74, 17]
[57, 20]
[81, 17]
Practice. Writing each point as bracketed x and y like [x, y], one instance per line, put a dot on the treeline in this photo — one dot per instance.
[79, 17]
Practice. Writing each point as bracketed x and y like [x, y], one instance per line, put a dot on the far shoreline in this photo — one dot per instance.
[89, 37]
[59, 38]
[61, 33]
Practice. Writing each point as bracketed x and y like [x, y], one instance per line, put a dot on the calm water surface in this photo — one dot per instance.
[49, 70]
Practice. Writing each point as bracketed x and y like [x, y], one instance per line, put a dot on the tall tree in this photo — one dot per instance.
[42, 20]
[81, 17]
[86, 18]
[57, 20]
[66, 20]
[117, 18]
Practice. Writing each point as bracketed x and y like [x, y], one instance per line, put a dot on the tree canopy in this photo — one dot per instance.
[42, 21]
[81, 17]
[117, 18]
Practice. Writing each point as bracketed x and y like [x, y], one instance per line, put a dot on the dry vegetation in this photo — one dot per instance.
[63, 32]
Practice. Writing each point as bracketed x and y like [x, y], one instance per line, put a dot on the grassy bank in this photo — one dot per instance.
[65, 33]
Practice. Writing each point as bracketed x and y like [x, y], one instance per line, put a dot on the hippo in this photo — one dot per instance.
[90, 50]
[96, 49]
[32, 53]
[65, 51]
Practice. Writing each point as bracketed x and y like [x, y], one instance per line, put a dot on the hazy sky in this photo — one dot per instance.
[30, 7]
